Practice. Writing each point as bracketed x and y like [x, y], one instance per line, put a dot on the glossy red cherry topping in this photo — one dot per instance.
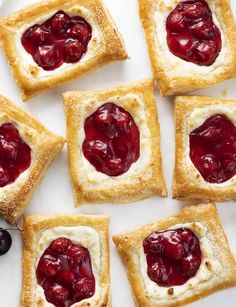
[213, 149]
[60, 39]
[192, 34]
[112, 139]
[65, 273]
[15, 154]
[173, 256]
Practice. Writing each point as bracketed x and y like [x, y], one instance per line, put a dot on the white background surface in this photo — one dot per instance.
[55, 192]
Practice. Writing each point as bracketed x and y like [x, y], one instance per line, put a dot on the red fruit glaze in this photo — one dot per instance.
[213, 149]
[65, 273]
[173, 256]
[112, 140]
[192, 34]
[15, 154]
[59, 39]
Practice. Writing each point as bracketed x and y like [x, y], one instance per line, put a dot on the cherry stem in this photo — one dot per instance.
[17, 228]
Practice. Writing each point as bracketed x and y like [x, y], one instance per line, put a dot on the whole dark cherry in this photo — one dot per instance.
[5, 241]
[60, 39]
[112, 140]
[173, 256]
[192, 34]
[15, 154]
[65, 273]
[213, 149]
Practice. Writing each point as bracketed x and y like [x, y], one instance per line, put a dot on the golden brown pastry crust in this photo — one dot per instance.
[173, 85]
[112, 48]
[44, 143]
[127, 191]
[188, 184]
[33, 227]
[128, 245]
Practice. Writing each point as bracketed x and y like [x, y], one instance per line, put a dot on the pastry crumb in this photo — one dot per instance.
[170, 291]
[208, 265]
[224, 93]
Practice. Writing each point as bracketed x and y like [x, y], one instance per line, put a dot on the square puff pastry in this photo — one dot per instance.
[44, 145]
[33, 228]
[144, 177]
[190, 113]
[105, 46]
[174, 75]
[221, 266]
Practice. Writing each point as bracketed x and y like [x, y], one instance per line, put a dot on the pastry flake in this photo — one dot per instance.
[216, 272]
[142, 177]
[52, 42]
[87, 235]
[204, 163]
[214, 34]
[28, 147]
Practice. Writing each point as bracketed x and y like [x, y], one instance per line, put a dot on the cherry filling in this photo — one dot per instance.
[213, 149]
[112, 140]
[192, 34]
[15, 154]
[173, 256]
[65, 273]
[60, 39]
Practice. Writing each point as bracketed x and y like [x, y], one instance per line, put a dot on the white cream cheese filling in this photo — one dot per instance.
[194, 120]
[90, 175]
[174, 66]
[208, 269]
[28, 63]
[83, 235]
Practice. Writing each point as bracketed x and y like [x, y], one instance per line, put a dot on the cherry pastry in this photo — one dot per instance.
[114, 132]
[26, 150]
[183, 263]
[52, 42]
